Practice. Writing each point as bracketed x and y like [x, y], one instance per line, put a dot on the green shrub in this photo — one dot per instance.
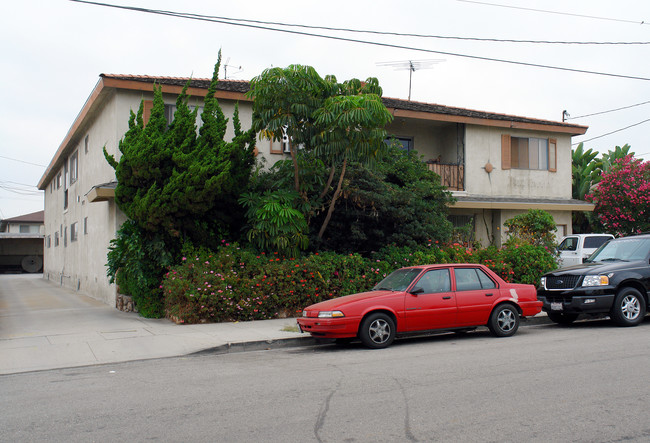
[238, 284]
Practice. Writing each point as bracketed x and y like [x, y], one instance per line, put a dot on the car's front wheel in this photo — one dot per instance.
[504, 321]
[377, 331]
[629, 307]
[562, 319]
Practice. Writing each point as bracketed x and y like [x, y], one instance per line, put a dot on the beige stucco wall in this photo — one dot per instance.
[81, 264]
[483, 145]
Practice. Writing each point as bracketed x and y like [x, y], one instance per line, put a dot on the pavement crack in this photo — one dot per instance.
[91, 351]
[407, 414]
[322, 414]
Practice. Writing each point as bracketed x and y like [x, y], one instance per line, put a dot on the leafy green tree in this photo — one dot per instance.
[275, 223]
[398, 201]
[336, 122]
[622, 197]
[609, 159]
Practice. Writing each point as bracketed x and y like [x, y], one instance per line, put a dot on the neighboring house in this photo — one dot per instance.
[21, 243]
[496, 165]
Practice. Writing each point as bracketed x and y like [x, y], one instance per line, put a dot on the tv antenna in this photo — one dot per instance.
[411, 66]
[226, 66]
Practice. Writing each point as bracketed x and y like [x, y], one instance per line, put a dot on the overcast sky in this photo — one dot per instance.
[54, 50]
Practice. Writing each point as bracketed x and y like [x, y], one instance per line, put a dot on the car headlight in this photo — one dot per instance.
[330, 314]
[542, 282]
[595, 280]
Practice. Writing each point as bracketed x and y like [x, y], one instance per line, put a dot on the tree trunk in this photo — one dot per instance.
[329, 182]
[333, 202]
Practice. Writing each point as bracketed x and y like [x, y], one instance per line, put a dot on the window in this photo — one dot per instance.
[58, 180]
[65, 236]
[74, 167]
[568, 244]
[48, 241]
[435, 281]
[23, 229]
[85, 225]
[528, 153]
[471, 279]
[86, 144]
[56, 238]
[405, 142]
[73, 232]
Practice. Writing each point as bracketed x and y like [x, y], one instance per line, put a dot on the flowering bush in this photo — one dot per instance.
[622, 197]
[238, 284]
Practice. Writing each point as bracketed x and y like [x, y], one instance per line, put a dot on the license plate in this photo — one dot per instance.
[556, 307]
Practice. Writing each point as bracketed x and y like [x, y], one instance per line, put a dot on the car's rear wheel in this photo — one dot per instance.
[562, 319]
[504, 320]
[629, 307]
[377, 330]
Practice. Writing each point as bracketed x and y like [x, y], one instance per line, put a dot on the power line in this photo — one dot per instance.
[606, 112]
[636, 22]
[22, 161]
[613, 132]
[386, 45]
[401, 34]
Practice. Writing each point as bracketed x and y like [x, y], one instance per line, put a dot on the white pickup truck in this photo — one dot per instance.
[574, 248]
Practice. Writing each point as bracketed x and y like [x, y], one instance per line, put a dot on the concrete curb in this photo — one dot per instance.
[295, 342]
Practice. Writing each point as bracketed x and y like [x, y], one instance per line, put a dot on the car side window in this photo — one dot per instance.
[435, 281]
[486, 282]
[471, 279]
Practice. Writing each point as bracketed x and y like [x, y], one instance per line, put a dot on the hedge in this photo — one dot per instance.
[235, 284]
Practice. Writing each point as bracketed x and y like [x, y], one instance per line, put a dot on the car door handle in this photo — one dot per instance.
[489, 294]
[447, 297]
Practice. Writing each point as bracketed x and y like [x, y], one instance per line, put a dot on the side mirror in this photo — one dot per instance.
[417, 290]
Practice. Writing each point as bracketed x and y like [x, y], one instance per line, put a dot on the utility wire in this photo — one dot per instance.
[613, 132]
[606, 112]
[400, 34]
[22, 161]
[386, 45]
[636, 22]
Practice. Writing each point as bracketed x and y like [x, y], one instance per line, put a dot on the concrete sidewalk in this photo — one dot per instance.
[44, 326]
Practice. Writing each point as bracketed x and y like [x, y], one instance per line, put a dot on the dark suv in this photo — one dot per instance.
[614, 280]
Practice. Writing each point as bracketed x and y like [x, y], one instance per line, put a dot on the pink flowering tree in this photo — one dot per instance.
[622, 197]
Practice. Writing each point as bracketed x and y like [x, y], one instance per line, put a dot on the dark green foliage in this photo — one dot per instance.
[535, 227]
[177, 187]
[275, 223]
[399, 201]
[333, 123]
[136, 259]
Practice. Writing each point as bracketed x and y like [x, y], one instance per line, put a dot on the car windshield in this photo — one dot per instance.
[624, 249]
[397, 280]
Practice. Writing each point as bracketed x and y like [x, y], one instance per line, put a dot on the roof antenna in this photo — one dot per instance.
[412, 66]
[225, 69]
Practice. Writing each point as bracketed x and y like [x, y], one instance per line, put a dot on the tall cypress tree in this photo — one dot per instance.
[178, 187]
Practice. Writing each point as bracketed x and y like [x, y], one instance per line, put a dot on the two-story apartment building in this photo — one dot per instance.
[496, 165]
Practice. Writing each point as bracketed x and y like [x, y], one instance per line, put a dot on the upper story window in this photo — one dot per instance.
[528, 153]
[74, 167]
[86, 144]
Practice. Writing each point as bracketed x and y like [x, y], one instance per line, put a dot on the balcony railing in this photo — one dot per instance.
[451, 176]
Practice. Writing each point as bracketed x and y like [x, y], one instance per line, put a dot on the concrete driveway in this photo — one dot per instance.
[46, 326]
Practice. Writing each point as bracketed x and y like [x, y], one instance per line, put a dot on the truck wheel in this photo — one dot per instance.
[562, 319]
[504, 320]
[628, 308]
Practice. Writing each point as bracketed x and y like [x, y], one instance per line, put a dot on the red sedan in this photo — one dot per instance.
[424, 298]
